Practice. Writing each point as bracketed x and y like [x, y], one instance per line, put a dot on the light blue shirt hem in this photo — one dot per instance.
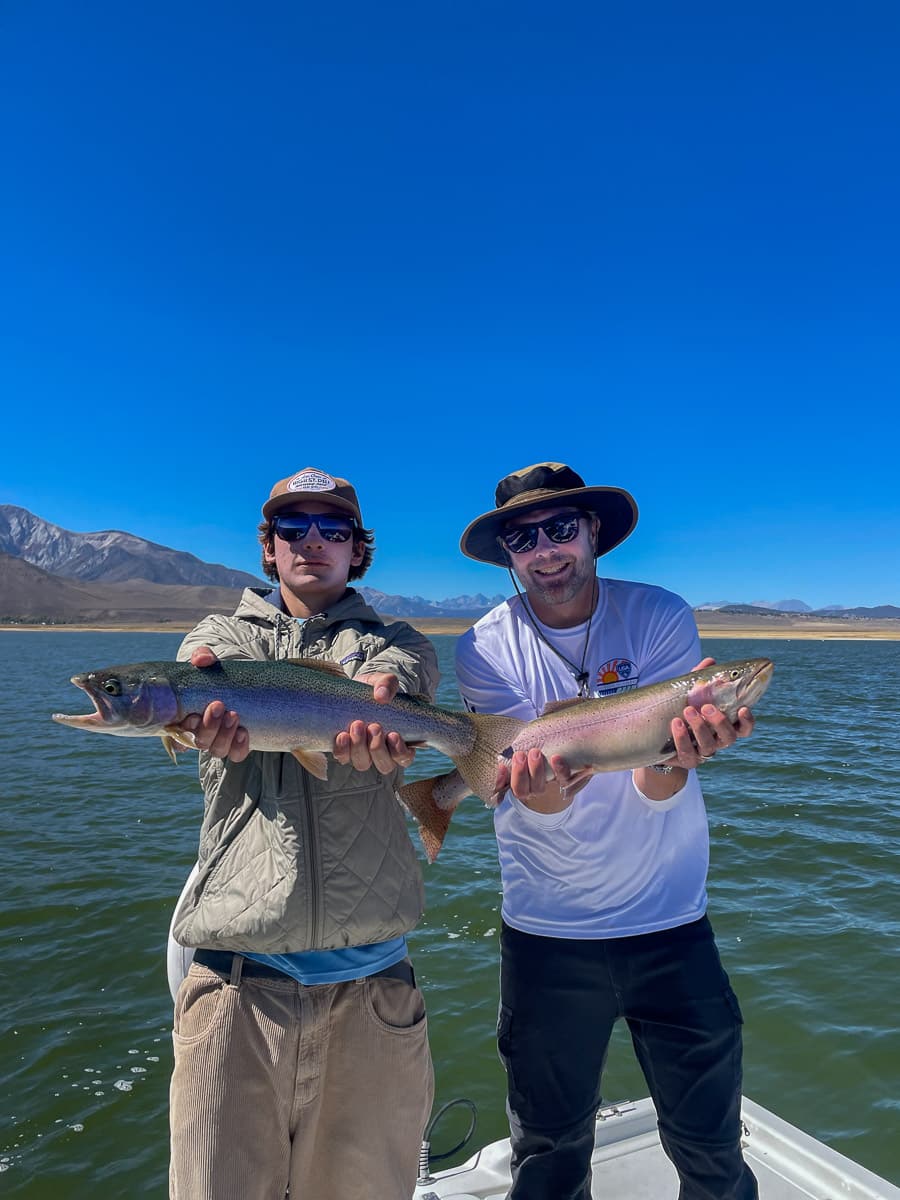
[336, 966]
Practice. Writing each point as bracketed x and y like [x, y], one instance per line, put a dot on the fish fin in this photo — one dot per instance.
[174, 739]
[450, 790]
[317, 664]
[433, 820]
[493, 735]
[170, 744]
[557, 705]
[313, 761]
[579, 780]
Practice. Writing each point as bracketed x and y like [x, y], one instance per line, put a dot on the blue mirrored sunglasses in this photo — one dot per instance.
[294, 527]
[562, 528]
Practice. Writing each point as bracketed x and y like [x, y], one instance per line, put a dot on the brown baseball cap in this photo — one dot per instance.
[312, 484]
[541, 486]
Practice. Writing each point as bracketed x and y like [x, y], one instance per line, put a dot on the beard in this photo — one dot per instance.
[552, 590]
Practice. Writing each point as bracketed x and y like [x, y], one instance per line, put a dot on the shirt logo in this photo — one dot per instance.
[312, 481]
[617, 675]
[356, 656]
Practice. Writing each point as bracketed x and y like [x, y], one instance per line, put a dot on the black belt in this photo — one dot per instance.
[222, 962]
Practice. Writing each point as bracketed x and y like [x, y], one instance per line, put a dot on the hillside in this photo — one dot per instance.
[108, 556]
[29, 595]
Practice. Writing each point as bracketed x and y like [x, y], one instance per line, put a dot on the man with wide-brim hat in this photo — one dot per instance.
[538, 486]
[604, 886]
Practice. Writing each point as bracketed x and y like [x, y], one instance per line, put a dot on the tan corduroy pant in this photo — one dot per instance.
[325, 1090]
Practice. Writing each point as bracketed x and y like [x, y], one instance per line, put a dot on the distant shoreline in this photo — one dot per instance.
[711, 625]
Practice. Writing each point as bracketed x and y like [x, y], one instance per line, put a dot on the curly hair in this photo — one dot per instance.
[361, 537]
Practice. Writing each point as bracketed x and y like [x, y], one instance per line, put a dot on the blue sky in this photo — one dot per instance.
[421, 245]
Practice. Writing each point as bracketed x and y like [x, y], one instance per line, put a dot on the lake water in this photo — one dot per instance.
[97, 836]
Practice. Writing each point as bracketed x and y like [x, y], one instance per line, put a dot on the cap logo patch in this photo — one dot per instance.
[311, 481]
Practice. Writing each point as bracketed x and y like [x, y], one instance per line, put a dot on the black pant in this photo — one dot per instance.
[559, 1000]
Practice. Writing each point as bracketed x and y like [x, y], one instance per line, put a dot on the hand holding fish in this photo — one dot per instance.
[526, 775]
[696, 736]
[699, 733]
[547, 784]
[216, 729]
[219, 731]
[365, 746]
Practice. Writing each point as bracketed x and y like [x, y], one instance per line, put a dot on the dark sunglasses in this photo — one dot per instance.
[561, 528]
[295, 526]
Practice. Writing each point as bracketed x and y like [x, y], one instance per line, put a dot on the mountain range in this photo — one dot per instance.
[798, 608]
[108, 556]
[417, 606]
[51, 575]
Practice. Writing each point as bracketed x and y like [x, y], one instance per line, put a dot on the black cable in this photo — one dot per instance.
[437, 1116]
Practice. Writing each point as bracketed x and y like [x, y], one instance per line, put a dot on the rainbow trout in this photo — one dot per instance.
[294, 707]
[614, 733]
[298, 707]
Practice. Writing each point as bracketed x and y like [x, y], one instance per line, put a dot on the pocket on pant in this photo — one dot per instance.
[504, 1044]
[199, 1005]
[395, 1005]
[732, 1001]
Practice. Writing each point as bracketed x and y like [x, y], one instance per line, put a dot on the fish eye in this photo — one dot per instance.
[112, 687]
[735, 674]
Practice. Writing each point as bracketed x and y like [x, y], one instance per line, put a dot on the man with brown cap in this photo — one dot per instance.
[301, 1047]
[604, 889]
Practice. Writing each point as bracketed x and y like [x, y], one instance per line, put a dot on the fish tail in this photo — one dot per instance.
[478, 767]
[433, 821]
[433, 801]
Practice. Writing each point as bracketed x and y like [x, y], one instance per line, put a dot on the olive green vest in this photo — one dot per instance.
[289, 862]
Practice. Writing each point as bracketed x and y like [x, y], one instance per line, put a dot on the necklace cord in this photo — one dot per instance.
[581, 676]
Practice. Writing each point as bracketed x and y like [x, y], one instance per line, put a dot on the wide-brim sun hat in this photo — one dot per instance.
[312, 484]
[546, 485]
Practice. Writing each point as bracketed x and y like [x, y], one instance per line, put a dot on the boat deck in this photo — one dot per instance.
[629, 1163]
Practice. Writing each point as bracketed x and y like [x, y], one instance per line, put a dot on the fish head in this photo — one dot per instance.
[133, 701]
[733, 685]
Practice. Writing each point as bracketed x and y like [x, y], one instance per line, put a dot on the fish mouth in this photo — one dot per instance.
[763, 672]
[757, 681]
[101, 716]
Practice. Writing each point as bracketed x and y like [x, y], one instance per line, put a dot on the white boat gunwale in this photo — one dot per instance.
[629, 1163]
